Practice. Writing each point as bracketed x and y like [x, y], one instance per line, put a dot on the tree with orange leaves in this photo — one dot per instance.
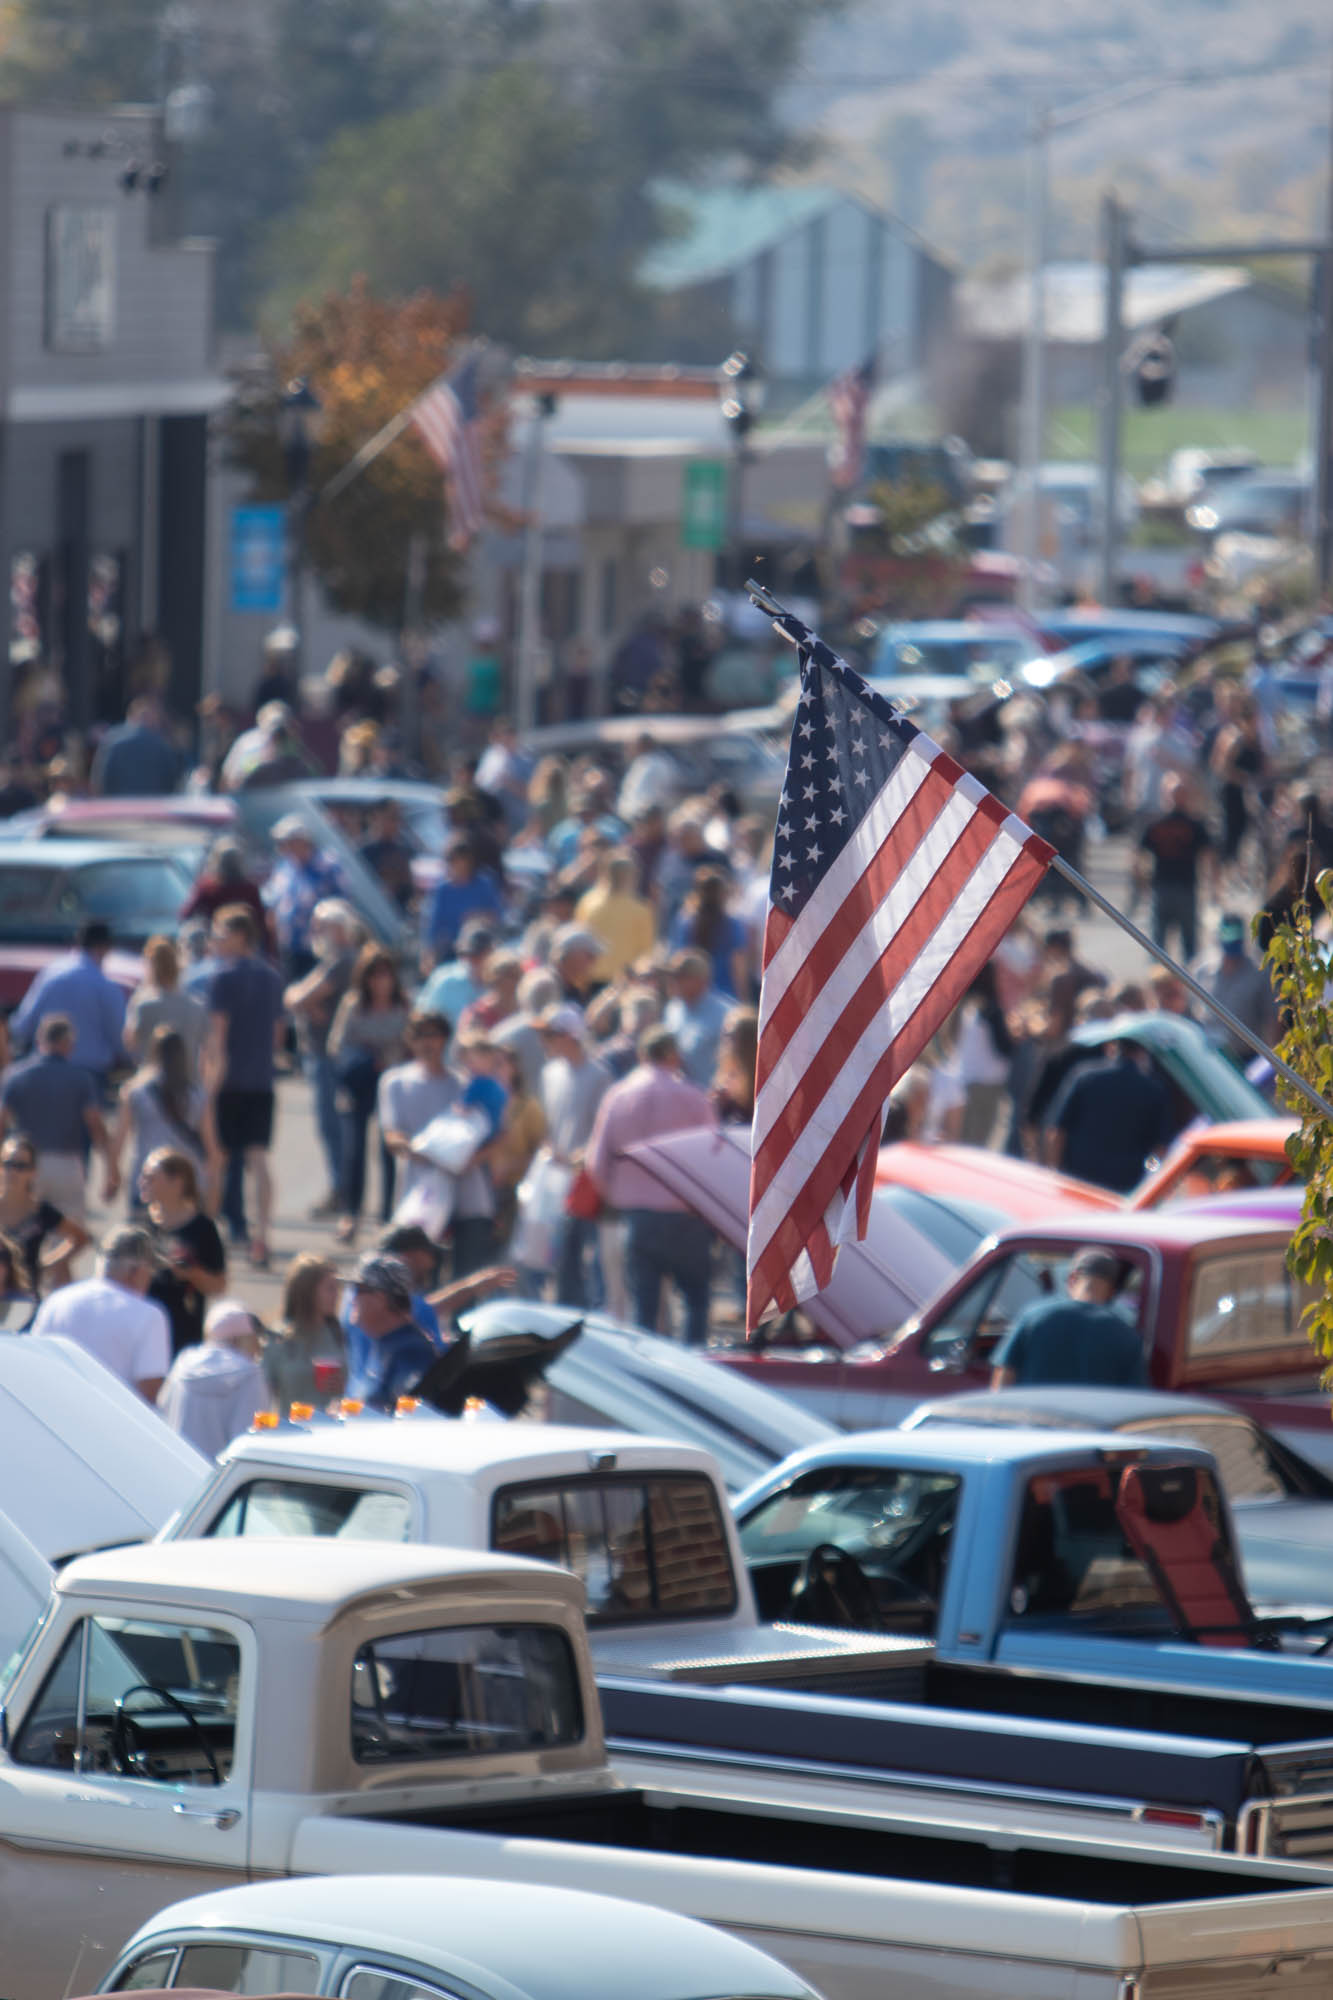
[366, 360]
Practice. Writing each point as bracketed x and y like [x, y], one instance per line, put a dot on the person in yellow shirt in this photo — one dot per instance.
[612, 909]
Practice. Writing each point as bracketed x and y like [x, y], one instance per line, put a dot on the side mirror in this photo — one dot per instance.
[952, 1358]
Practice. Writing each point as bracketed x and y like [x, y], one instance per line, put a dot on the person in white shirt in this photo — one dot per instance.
[216, 1388]
[109, 1316]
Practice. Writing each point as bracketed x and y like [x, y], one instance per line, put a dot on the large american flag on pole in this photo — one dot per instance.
[447, 417]
[895, 875]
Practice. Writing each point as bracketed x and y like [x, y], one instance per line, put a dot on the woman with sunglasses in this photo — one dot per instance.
[46, 1240]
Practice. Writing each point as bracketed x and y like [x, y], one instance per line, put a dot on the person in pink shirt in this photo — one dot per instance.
[662, 1240]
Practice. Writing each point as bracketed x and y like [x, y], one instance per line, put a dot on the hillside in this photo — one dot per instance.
[927, 107]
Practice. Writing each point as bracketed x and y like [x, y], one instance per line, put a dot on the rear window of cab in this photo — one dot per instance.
[1245, 1301]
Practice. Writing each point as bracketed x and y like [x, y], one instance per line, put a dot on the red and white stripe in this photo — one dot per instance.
[450, 439]
[853, 989]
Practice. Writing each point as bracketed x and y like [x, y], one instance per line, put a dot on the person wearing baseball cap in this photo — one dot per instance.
[1079, 1338]
[395, 1353]
[461, 981]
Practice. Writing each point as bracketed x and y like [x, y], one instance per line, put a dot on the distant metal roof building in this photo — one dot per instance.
[812, 278]
[1075, 294]
[726, 227]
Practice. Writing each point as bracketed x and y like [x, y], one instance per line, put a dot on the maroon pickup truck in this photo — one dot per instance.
[1209, 1289]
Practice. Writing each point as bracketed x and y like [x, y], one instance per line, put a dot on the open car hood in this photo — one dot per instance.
[877, 1284]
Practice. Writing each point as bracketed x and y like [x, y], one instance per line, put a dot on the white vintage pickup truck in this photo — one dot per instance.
[690, 1678]
[190, 1715]
[675, 1603]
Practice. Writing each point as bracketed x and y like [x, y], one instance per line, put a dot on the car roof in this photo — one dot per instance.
[368, 788]
[978, 1444]
[963, 629]
[1261, 1135]
[559, 1944]
[66, 854]
[423, 1443]
[1184, 1226]
[1078, 1405]
[175, 805]
[297, 1580]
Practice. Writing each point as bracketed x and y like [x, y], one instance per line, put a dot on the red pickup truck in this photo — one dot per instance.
[1209, 1290]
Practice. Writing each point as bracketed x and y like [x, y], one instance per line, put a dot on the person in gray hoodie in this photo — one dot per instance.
[215, 1388]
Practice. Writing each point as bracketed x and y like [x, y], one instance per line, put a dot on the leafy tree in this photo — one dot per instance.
[81, 51]
[494, 191]
[1302, 970]
[366, 361]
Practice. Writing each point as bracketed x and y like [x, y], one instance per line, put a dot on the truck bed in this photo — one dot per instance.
[673, 1823]
[1167, 1751]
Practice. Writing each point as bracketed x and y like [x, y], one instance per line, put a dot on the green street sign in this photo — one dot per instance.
[703, 504]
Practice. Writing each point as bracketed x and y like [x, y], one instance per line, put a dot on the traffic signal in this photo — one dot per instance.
[1155, 370]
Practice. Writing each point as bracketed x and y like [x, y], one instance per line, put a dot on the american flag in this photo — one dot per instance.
[895, 875]
[849, 397]
[447, 418]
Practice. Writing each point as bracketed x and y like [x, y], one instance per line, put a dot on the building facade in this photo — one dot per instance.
[107, 381]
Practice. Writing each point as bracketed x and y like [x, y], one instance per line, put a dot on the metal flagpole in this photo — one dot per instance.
[791, 628]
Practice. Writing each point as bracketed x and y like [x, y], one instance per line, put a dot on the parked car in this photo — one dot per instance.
[405, 1937]
[1201, 1081]
[967, 652]
[1281, 1505]
[187, 824]
[733, 750]
[1233, 1154]
[47, 894]
[1269, 503]
[1020, 1189]
[1156, 658]
[21, 963]
[1208, 1289]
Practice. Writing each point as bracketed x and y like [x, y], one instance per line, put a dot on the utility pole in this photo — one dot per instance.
[530, 589]
[1032, 413]
[1110, 399]
[1323, 430]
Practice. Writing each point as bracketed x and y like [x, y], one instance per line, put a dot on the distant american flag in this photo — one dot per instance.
[895, 875]
[447, 417]
[849, 397]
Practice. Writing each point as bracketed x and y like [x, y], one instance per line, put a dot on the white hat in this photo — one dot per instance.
[228, 1319]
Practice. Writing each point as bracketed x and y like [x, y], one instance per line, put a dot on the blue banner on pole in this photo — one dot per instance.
[258, 558]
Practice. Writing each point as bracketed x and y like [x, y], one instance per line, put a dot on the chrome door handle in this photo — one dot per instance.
[227, 1817]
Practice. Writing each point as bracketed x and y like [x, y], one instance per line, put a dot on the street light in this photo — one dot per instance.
[299, 411]
[740, 390]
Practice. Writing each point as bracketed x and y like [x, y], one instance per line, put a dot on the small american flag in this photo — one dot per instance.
[447, 417]
[849, 397]
[895, 875]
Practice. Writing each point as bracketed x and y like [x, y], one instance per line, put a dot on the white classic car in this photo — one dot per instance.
[414, 1937]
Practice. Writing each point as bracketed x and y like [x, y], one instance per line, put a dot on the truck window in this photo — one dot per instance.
[304, 1507]
[1245, 1300]
[643, 1548]
[132, 1698]
[464, 1691]
[1071, 1558]
[979, 1317]
[1248, 1469]
[894, 1522]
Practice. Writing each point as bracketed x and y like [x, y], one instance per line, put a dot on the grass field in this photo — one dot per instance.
[1280, 437]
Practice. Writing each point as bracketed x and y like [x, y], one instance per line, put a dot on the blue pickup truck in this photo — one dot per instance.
[1073, 1589]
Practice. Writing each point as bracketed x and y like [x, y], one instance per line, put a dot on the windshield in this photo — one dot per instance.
[866, 1546]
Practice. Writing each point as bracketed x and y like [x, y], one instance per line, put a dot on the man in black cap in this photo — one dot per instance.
[1078, 1338]
[394, 1353]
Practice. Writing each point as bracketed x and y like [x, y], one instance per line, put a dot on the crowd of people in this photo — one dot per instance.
[475, 1104]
